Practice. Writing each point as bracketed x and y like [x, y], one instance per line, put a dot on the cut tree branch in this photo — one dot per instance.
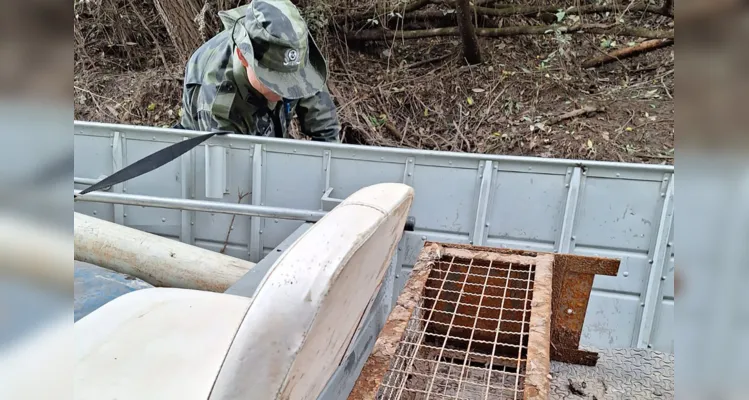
[615, 29]
[587, 110]
[619, 54]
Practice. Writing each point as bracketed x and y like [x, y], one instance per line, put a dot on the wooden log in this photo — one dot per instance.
[284, 343]
[154, 259]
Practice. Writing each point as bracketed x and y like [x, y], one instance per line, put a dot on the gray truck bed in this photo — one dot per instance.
[620, 374]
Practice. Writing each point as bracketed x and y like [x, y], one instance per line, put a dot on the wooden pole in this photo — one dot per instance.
[154, 259]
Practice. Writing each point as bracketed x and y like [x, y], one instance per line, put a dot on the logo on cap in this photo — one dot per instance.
[291, 58]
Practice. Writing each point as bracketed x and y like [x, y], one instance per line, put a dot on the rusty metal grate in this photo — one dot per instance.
[468, 335]
[477, 322]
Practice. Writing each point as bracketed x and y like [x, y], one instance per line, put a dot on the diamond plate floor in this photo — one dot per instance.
[619, 374]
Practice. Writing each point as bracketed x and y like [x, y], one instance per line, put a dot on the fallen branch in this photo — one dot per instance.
[654, 156]
[393, 131]
[531, 11]
[430, 61]
[412, 6]
[589, 9]
[377, 34]
[231, 224]
[587, 110]
[627, 52]
[148, 30]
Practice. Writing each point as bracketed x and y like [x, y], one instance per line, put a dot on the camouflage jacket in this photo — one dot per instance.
[218, 96]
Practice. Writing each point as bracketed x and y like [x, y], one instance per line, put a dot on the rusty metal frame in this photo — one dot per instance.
[561, 290]
[573, 281]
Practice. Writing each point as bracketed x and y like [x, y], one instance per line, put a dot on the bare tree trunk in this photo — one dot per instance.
[667, 7]
[471, 50]
[179, 19]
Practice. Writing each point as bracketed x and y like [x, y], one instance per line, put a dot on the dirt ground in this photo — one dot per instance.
[418, 93]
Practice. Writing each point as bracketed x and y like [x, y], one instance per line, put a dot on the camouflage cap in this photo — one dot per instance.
[273, 37]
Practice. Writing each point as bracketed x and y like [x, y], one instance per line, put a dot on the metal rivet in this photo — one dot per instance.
[382, 158]
[650, 261]
[153, 138]
[409, 174]
[163, 219]
[423, 238]
[530, 168]
[261, 232]
[567, 185]
[124, 189]
[642, 304]
[618, 174]
[663, 278]
[124, 215]
[294, 150]
[471, 242]
[275, 220]
[573, 237]
[669, 244]
[569, 311]
[410, 161]
[626, 274]
[585, 172]
[192, 223]
[486, 224]
[650, 346]
[94, 212]
[231, 145]
[397, 276]
[481, 176]
[663, 195]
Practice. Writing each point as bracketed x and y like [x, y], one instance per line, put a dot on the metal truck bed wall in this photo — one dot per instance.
[615, 210]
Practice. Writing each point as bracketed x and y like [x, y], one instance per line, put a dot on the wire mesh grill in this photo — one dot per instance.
[468, 335]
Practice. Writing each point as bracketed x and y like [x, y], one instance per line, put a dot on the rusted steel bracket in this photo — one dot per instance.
[573, 280]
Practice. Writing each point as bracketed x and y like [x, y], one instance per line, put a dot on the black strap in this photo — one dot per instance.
[276, 118]
[151, 162]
